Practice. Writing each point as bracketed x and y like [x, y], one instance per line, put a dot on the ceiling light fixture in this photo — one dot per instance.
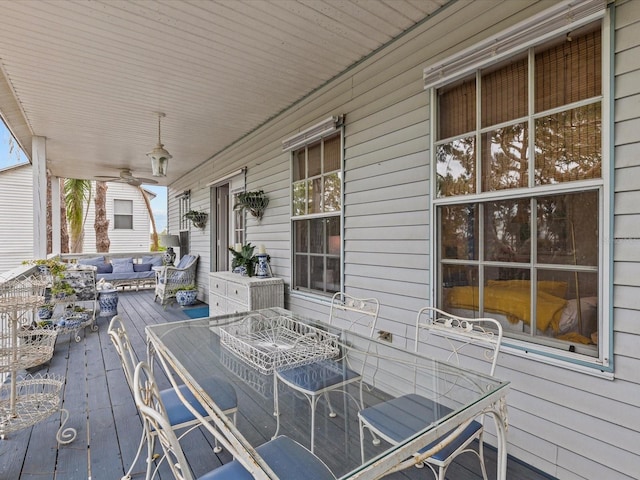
[159, 156]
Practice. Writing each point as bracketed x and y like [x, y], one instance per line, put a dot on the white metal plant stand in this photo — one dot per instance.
[78, 310]
[27, 399]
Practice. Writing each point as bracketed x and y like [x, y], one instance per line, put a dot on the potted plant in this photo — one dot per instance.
[186, 295]
[77, 311]
[45, 311]
[62, 289]
[244, 260]
[199, 219]
[48, 266]
[256, 202]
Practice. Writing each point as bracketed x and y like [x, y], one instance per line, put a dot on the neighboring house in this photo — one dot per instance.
[492, 145]
[16, 216]
[129, 223]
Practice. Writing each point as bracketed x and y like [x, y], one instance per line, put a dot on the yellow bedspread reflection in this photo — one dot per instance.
[512, 300]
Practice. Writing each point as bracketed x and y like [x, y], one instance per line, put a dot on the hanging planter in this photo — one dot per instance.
[256, 202]
[199, 219]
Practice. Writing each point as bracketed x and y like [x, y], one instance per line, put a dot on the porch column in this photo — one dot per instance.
[39, 164]
[55, 215]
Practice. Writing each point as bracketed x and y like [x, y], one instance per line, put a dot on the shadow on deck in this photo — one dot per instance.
[108, 427]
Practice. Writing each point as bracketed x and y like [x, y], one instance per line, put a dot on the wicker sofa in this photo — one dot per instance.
[127, 271]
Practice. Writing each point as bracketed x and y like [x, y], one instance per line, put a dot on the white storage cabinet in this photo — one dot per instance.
[233, 293]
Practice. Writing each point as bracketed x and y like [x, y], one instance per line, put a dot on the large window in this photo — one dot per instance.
[519, 193]
[316, 194]
[123, 214]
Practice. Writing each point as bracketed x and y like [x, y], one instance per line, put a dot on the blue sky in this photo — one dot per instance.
[159, 206]
[17, 156]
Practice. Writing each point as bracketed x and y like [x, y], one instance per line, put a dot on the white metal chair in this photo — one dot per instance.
[179, 416]
[288, 459]
[318, 379]
[397, 419]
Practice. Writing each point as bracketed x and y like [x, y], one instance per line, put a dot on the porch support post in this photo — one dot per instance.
[39, 164]
[56, 220]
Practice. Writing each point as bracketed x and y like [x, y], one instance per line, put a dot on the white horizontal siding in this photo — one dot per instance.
[137, 239]
[16, 213]
[16, 216]
[568, 424]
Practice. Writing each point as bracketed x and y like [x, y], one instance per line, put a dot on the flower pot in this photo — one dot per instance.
[186, 297]
[45, 313]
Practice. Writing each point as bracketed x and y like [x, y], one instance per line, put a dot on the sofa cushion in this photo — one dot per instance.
[95, 261]
[184, 261]
[154, 260]
[122, 265]
[105, 268]
[142, 267]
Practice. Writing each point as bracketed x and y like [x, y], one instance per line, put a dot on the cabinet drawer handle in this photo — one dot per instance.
[236, 292]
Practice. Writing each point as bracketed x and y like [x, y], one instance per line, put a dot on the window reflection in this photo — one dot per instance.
[459, 232]
[456, 167]
[505, 158]
[568, 229]
[569, 145]
[507, 231]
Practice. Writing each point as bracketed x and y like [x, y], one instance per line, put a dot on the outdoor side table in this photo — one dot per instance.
[108, 301]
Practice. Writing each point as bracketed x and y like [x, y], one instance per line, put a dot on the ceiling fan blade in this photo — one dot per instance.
[126, 177]
[104, 178]
[146, 181]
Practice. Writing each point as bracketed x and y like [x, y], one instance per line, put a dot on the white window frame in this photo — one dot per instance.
[237, 217]
[324, 129]
[184, 205]
[548, 24]
[116, 213]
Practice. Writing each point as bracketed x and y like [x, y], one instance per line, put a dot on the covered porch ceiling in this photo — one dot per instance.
[91, 75]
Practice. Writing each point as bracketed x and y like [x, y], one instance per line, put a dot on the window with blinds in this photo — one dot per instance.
[122, 214]
[519, 193]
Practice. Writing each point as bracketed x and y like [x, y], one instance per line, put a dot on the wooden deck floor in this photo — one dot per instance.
[104, 415]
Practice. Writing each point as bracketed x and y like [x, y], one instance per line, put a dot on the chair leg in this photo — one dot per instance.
[481, 456]
[217, 448]
[332, 412]
[150, 457]
[314, 404]
[361, 439]
[127, 476]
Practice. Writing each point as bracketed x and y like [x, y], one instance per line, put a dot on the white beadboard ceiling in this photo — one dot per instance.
[89, 75]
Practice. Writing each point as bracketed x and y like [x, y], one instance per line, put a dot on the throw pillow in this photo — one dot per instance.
[142, 267]
[95, 261]
[122, 265]
[105, 268]
[184, 261]
[154, 260]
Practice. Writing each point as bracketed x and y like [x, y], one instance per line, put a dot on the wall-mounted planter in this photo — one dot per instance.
[255, 202]
[199, 219]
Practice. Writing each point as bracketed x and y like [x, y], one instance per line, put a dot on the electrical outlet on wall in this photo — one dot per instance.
[386, 336]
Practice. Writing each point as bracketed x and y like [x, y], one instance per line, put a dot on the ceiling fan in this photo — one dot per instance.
[127, 177]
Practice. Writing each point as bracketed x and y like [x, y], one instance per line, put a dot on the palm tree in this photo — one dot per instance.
[64, 231]
[101, 223]
[154, 233]
[77, 193]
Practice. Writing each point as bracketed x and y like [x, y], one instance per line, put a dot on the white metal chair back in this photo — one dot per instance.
[149, 403]
[120, 339]
[349, 312]
[461, 332]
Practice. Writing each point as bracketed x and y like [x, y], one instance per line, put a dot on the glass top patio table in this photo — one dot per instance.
[233, 347]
